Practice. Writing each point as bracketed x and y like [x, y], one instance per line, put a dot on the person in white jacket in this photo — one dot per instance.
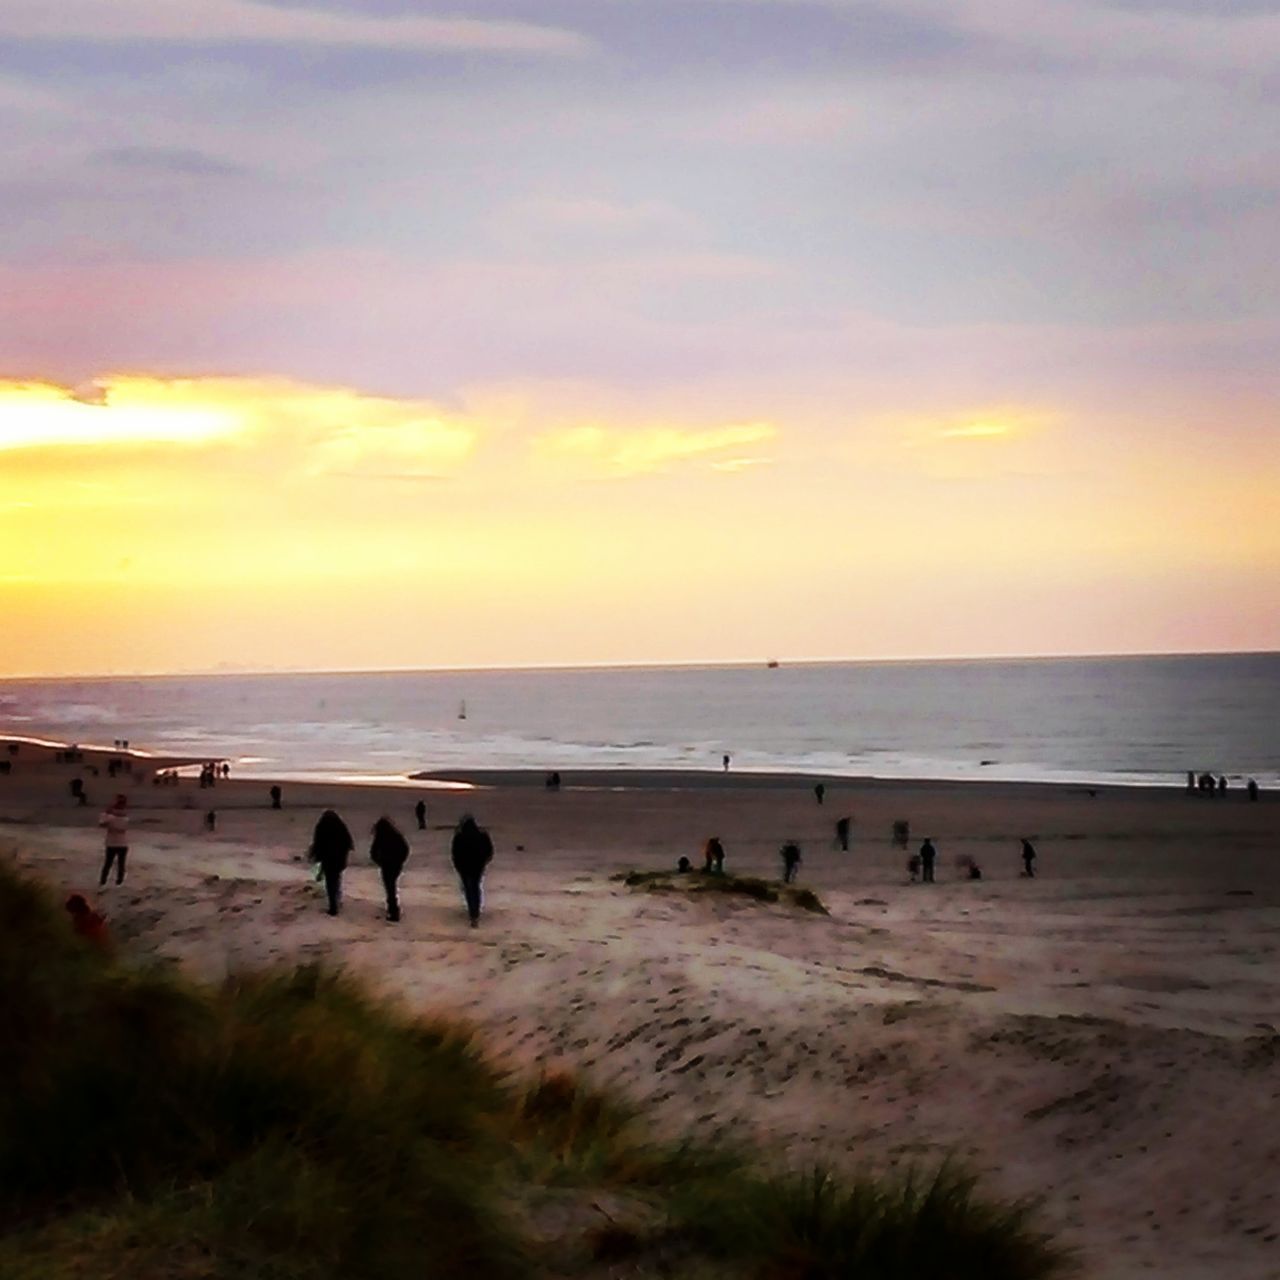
[116, 822]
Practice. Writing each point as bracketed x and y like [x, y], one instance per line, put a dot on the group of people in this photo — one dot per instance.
[471, 851]
[713, 859]
[1205, 784]
[920, 866]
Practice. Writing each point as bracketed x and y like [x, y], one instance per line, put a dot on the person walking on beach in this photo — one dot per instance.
[420, 812]
[116, 822]
[820, 792]
[1028, 859]
[713, 857]
[1253, 788]
[725, 761]
[389, 852]
[472, 851]
[790, 854]
[842, 833]
[275, 793]
[331, 844]
[928, 856]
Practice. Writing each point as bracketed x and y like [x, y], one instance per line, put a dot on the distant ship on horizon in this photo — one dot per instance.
[772, 663]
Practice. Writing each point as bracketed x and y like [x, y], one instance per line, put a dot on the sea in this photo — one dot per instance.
[1107, 720]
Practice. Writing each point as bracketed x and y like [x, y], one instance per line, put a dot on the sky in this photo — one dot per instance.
[343, 334]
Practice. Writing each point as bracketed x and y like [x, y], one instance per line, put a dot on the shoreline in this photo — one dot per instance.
[607, 777]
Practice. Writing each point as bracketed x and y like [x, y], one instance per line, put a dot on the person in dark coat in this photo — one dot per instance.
[420, 812]
[275, 793]
[1028, 858]
[842, 833]
[331, 844]
[928, 856]
[790, 854]
[820, 792]
[472, 851]
[389, 852]
[713, 857]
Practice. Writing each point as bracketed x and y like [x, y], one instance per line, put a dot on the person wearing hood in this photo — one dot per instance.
[389, 852]
[331, 844]
[472, 851]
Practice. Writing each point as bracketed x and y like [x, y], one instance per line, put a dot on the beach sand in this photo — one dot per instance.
[1106, 1035]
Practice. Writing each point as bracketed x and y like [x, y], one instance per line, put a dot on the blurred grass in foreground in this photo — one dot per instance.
[291, 1126]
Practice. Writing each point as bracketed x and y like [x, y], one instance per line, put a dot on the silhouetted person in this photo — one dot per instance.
[975, 871]
[901, 833]
[1191, 782]
[331, 845]
[725, 761]
[820, 792]
[276, 794]
[420, 812]
[116, 823]
[683, 865]
[1028, 858]
[790, 854]
[913, 867]
[389, 851]
[928, 856]
[211, 821]
[713, 856]
[1252, 788]
[842, 833]
[1222, 785]
[78, 792]
[472, 851]
[553, 780]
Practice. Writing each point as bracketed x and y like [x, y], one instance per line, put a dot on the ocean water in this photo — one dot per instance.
[1132, 720]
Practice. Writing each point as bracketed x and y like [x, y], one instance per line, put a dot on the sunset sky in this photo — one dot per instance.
[384, 333]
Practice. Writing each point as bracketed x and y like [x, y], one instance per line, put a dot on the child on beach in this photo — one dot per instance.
[116, 822]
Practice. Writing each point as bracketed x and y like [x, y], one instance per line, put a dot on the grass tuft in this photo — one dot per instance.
[696, 882]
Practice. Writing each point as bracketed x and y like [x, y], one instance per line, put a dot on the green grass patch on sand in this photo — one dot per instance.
[291, 1125]
[695, 882]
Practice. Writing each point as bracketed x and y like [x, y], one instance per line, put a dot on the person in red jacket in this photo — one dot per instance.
[88, 924]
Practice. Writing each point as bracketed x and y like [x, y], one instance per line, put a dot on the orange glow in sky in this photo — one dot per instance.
[152, 524]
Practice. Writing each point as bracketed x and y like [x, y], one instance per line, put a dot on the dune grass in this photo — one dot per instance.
[292, 1126]
[754, 887]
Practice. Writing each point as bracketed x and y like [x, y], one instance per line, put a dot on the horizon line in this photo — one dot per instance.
[675, 665]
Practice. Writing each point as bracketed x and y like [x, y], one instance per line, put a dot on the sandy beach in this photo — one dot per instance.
[1106, 1035]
